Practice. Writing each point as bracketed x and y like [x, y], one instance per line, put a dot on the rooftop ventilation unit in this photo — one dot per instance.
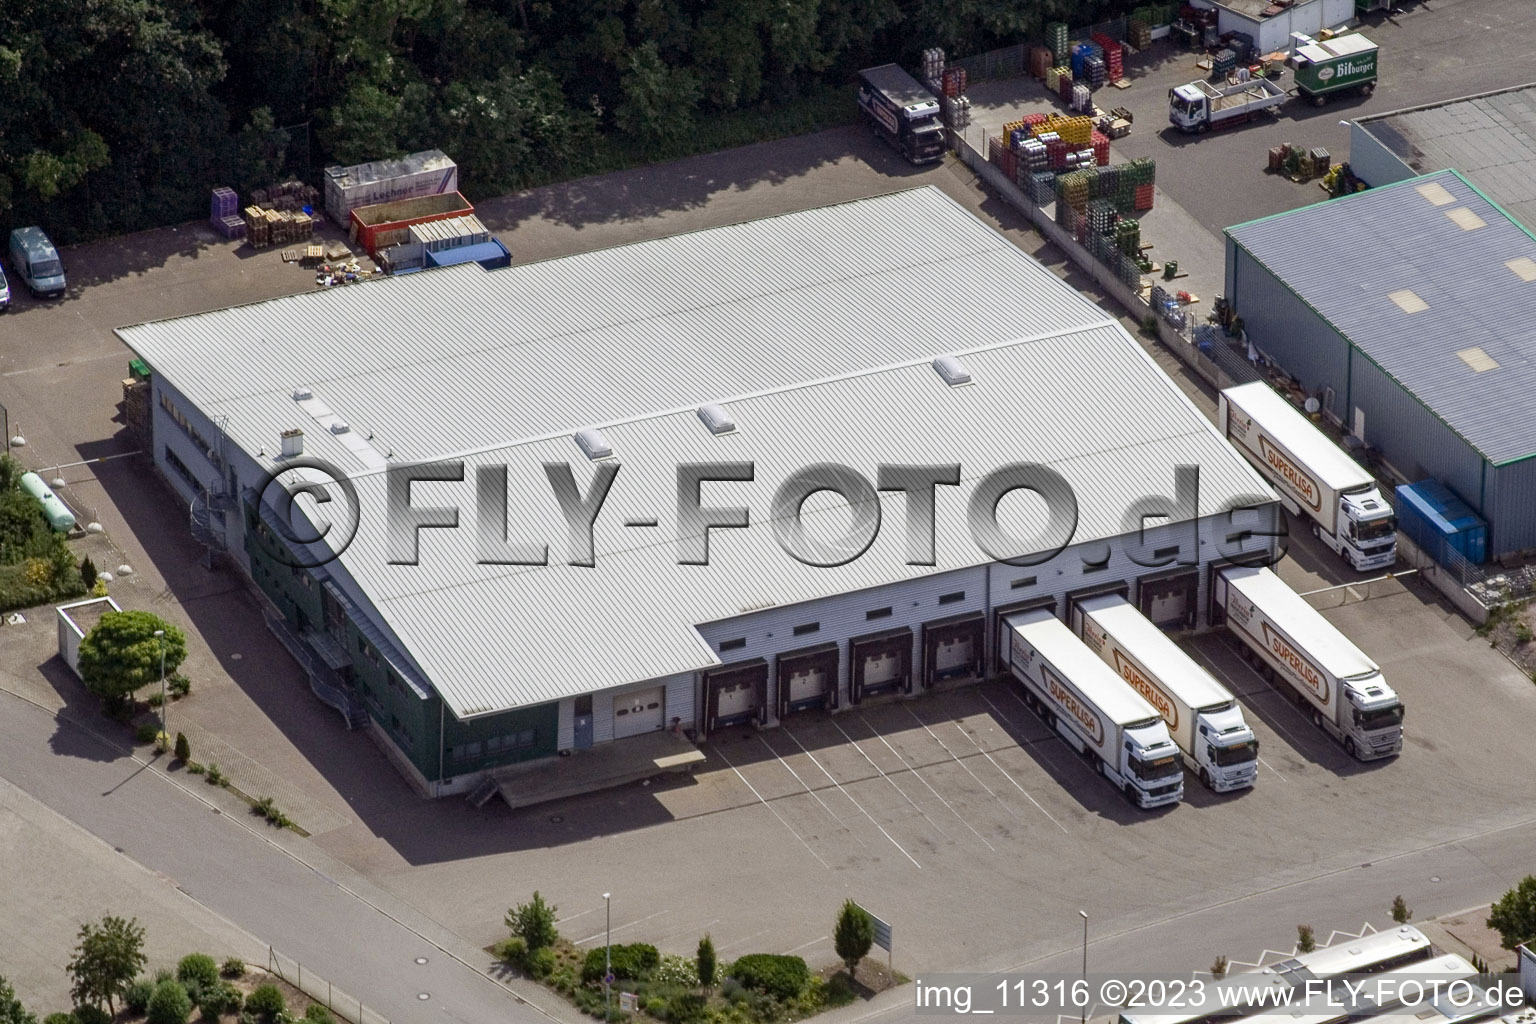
[293, 443]
[302, 394]
[593, 444]
[716, 419]
[952, 370]
[339, 427]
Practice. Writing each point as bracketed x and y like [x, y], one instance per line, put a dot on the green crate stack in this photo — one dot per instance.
[1128, 236]
[1075, 189]
[1056, 39]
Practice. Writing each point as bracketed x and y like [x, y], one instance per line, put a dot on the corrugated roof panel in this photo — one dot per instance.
[1389, 245]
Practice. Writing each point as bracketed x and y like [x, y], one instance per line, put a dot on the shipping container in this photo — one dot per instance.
[450, 233]
[384, 224]
[1435, 519]
[383, 181]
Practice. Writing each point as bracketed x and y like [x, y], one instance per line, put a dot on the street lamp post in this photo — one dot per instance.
[607, 955]
[165, 717]
[1084, 1015]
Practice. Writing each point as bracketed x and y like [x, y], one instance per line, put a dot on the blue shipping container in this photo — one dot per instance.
[1434, 518]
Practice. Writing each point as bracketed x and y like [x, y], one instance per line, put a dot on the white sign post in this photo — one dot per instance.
[882, 939]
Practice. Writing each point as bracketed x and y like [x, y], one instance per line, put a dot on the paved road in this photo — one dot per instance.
[240, 873]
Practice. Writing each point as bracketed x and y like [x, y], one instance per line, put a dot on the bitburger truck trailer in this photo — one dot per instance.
[1095, 711]
[902, 112]
[1313, 476]
[1204, 719]
[1305, 653]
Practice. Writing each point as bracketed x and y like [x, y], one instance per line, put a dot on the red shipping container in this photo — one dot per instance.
[382, 225]
[1100, 148]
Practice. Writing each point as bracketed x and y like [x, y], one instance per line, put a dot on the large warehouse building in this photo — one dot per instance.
[1490, 138]
[806, 339]
[1408, 311]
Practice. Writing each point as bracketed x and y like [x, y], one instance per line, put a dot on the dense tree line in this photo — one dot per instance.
[121, 114]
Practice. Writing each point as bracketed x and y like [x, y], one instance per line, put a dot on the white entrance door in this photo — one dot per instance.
[806, 685]
[953, 654]
[1359, 430]
[638, 712]
[881, 670]
[736, 699]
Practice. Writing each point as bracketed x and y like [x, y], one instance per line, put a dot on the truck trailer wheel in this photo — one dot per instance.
[1317, 718]
[1367, 89]
[1319, 101]
[1350, 748]
[1205, 779]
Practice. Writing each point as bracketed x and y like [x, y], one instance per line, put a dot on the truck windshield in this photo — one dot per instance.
[1157, 768]
[1381, 718]
[928, 123]
[47, 268]
[1183, 107]
[1376, 529]
[1242, 753]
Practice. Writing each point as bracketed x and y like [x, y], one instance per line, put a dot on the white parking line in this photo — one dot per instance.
[961, 763]
[816, 796]
[855, 745]
[918, 776]
[1006, 774]
[631, 924]
[807, 945]
[771, 809]
[1039, 747]
[740, 942]
[1268, 689]
[849, 795]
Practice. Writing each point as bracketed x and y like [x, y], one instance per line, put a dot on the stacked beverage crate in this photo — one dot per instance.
[224, 213]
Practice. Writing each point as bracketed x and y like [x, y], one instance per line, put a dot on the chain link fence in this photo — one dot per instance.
[1013, 61]
[334, 999]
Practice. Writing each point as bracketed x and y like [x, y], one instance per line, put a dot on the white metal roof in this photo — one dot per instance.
[1315, 635]
[1284, 422]
[1173, 669]
[1084, 669]
[816, 331]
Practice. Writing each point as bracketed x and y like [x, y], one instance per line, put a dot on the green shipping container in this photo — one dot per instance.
[1344, 62]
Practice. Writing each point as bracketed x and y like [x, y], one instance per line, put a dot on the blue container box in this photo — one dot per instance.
[1434, 518]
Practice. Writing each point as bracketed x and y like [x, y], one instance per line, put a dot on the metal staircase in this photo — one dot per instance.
[325, 682]
[483, 791]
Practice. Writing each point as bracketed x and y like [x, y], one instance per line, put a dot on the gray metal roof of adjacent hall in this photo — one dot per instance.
[1434, 284]
[814, 330]
[1491, 138]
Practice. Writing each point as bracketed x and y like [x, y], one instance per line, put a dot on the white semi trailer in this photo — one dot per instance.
[1312, 475]
[1205, 719]
[1095, 711]
[1327, 674]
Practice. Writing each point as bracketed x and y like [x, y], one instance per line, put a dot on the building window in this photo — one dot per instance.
[807, 627]
[181, 421]
[1022, 582]
[877, 613]
[954, 598]
[733, 645]
[366, 650]
[180, 467]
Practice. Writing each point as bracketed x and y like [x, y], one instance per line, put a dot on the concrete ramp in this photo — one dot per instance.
[605, 767]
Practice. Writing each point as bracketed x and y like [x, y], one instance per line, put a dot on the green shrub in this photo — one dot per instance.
[685, 1008]
[266, 808]
[318, 1013]
[88, 577]
[199, 969]
[155, 700]
[136, 996]
[513, 952]
[216, 778]
[91, 1015]
[732, 991]
[219, 999]
[169, 1004]
[264, 1003]
[178, 684]
[656, 1006]
[234, 967]
[164, 974]
[146, 733]
[541, 962]
[636, 961]
[782, 977]
[676, 970]
[59, 1018]
[183, 748]
[193, 768]
[533, 922]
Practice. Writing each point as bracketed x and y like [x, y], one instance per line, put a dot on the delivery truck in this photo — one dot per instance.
[1313, 476]
[1344, 63]
[1094, 710]
[902, 112]
[1329, 677]
[1201, 106]
[1203, 717]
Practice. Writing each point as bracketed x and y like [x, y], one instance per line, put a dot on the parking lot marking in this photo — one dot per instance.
[619, 928]
[771, 809]
[741, 941]
[919, 777]
[1008, 775]
[855, 745]
[849, 795]
[1285, 699]
[573, 917]
[1038, 746]
[807, 945]
[817, 796]
[961, 763]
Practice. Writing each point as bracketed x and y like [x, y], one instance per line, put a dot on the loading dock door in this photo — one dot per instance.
[881, 663]
[735, 694]
[1169, 600]
[952, 648]
[807, 679]
[638, 712]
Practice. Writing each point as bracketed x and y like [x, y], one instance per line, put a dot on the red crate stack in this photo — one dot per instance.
[1010, 164]
[1114, 56]
[1143, 200]
[1100, 148]
[1064, 88]
[954, 82]
[1033, 119]
[995, 146]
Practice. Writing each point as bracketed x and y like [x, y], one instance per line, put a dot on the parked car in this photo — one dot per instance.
[37, 262]
[5, 292]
